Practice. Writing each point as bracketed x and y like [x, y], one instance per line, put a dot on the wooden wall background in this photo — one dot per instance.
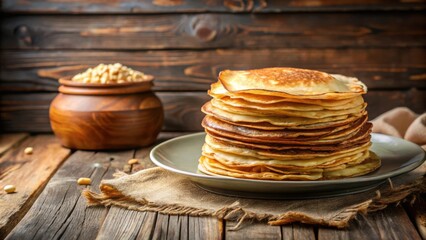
[185, 43]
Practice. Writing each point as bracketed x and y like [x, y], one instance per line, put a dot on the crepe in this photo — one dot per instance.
[212, 123]
[213, 167]
[355, 140]
[218, 91]
[233, 159]
[341, 138]
[251, 111]
[286, 124]
[292, 83]
[274, 120]
[297, 106]
[218, 146]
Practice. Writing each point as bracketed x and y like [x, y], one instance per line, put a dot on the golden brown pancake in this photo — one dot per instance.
[292, 83]
[292, 154]
[338, 137]
[282, 147]
[296, 106]
[286, 124]
[315, 126]
[287, 113]
[274, 120]
[251, 157]
[218, 91]
[210, 122]
[213, 167]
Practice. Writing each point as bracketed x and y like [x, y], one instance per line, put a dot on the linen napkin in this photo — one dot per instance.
[404, 123]
[161, 191]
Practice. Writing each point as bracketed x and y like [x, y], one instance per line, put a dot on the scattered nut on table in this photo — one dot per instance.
[133, 161]
[127, 168]
[9, 188]
[28, 150]
[84, 181]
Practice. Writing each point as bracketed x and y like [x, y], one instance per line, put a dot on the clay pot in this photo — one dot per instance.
[92, 116]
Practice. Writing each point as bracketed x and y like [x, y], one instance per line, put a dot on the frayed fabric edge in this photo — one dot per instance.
[234, 212]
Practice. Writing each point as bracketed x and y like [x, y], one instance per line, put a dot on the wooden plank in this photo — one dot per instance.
[417, 213]
[178, 227]
[303, 231]
[382, 101]
[182, 109]
[162, 6]
[391, 223]
[260, 230]
[200, 31]
[378, 68]
[121, 223]
[60, 211]
[29, 173]
[160, 227]
[253, 230]
[202, 227]
[147, 228]
[7, 141]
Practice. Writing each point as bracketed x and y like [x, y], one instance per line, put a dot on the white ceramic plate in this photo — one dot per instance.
[180, 155]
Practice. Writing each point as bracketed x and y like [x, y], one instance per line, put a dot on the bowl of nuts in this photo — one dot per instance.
[106, 107]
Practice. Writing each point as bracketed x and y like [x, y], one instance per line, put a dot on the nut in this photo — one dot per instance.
[133, 161]
[84, 181]
[28, 150]
[111, 73]
[9, 188]
[127, 168]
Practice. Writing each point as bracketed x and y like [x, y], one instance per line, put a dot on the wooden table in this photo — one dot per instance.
[48, 203]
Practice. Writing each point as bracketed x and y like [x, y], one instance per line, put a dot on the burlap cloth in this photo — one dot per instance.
[165, 192]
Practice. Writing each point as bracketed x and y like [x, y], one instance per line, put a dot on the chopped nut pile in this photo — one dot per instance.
[110, 73]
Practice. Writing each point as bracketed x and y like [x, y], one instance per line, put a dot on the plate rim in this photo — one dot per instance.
[359, 179]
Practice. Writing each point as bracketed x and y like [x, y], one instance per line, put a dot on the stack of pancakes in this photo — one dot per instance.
[286, 124]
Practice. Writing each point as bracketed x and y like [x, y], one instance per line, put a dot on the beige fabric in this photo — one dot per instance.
[158, 190]
[404, 123]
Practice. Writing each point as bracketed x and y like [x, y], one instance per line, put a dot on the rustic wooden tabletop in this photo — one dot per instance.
[48, 203]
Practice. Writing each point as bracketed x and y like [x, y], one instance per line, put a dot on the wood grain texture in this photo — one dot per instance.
[7, 141]
[106, 122]
[178, 227]
[200, 227]
[60, 211]
[297, 231]
[390, 223]
[253, 230]
[196, 70]
[417, 212]
[182, 109]
[260, 230]
[121, 223]
[161, 6]
[159, 226]
[29, 173]
[201, 31]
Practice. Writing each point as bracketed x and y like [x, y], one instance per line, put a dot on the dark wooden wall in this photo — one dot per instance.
[185, 43]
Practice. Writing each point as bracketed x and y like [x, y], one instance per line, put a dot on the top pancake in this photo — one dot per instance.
[292, 83]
